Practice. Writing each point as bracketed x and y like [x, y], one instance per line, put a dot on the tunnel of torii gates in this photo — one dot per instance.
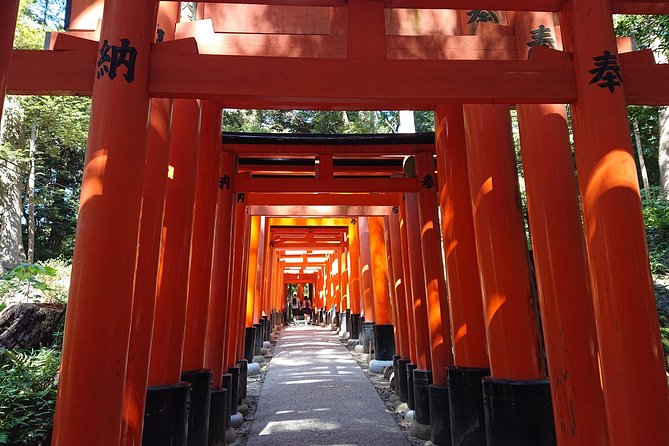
[185, 241]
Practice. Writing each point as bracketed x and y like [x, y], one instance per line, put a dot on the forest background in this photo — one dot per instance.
[42, 146]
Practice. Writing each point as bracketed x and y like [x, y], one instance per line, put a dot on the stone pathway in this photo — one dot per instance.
[315, 394]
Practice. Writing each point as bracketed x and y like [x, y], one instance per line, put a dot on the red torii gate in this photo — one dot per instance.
[632, 374]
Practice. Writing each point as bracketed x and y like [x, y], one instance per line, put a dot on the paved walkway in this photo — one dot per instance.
[315, 394]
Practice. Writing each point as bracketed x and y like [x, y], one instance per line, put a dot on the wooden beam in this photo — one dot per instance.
[244, 81]
[324, 83]
[310, 185]
[619, 6]
[351, 150]
[320, 211]
[300, 278]
[53, 73]
[293, 200]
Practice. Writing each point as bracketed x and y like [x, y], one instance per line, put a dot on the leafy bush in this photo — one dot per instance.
[28, 382]
[46, 281]
[656, 216]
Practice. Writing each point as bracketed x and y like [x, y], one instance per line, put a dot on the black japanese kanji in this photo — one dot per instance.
[396, 209]
[482, 15]
[241, 198]
[607, 71]
[224, 182]
[428, 182]
[542, 37]
[354, 221]
[121, 56]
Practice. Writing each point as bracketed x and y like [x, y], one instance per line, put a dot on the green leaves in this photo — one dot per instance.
[28, 383]
[47, 277]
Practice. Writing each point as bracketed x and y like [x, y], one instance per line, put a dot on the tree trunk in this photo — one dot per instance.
[664, 151]
[30, 325]
[347, 122]
[642, 161]
[11, 247]
[407, 122]
[31, 196]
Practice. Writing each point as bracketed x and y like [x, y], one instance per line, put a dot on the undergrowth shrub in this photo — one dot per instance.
[28, 383]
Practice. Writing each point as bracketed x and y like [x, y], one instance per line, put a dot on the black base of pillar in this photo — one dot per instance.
[267, 328]
[421, 380]
[411, 403]
[258, 338]
[384, 342]
[227, 382]
[249, 343]
[440, 420]
[235, 373]
[401, 380]
[355, 326]
[166, 415]
[367, 337]
[466, 405]
[343, 321]
[518, 412]
[219, 417]
[243, 378]
[200, 402]
[393, 382]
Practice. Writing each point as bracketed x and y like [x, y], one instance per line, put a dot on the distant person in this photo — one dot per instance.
[306, 309]
[295, 305]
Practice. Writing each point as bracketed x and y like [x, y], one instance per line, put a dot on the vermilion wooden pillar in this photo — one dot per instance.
[344, 280]
[336, 279]
[243, 308]
[366, 270]
[465, 400]
[221, 306]
[464, 287]
[408, 288]
[377, 249]
[511, 314]
[420, 310]
[170, 315]
[433, 267]
[92, 376]
[252, 266]
[559, 258]
[632, 366]
[354, 268]
[513, 338]
[147, 271]
[260, 272]
[235, 318]
[202, 246]
[404, 336]
[148, 254]
[397, 328]
[9, 10]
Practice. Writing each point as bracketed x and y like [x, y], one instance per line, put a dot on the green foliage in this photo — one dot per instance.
[61, 124]
[47, 278]
[28, 384]
[648, 31]
[649, 135]
[664, 336]
[325, 122]
[656, 217]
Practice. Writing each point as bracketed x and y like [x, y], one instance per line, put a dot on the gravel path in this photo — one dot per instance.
[315, 394]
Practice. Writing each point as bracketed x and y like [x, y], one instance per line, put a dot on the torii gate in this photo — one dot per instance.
[363, 67]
